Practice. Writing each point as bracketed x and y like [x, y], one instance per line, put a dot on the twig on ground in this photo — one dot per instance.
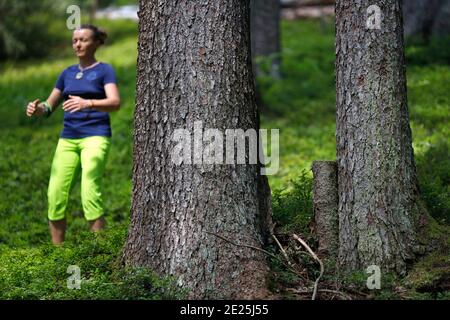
[243, 245]
[258, 249]
[342, 294]
[282, 249]
[314, 256]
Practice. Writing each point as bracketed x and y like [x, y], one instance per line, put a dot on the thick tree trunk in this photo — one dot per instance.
[194, 65]
[378, 191]
[265, 35]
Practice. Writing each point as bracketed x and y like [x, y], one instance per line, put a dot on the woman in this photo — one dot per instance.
[89, 90]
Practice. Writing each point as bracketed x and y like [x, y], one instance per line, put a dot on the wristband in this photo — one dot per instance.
[48, 109]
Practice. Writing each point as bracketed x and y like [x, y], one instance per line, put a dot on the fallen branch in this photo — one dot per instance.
[356, 292]
[314, 256]
[243, 245]
[345, 296]
[258, 249]
[282, 249]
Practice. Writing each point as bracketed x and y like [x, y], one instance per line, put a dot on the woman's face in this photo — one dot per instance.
[83, 43]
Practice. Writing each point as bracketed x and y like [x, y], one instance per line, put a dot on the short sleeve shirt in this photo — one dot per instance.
[87, 122]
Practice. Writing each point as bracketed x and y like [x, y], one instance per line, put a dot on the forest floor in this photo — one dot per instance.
[301, 105]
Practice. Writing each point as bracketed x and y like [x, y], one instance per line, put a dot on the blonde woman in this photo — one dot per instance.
[89, 91]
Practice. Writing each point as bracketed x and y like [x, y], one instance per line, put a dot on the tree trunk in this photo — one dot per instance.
[441, 24]
[93, 11]
[194, 65]
[265, 35]
[377, 185]
[420, 17]
[325, 204]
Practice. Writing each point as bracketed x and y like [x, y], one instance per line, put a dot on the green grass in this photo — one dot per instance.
[301, 105]
[41, 272]
[27, 150]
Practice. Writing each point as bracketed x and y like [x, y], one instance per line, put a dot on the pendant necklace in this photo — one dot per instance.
[79, 75]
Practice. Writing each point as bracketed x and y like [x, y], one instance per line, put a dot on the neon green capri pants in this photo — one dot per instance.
[87, 155]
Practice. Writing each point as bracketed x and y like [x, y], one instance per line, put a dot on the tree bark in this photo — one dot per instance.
[194, 65]
[265, 35]
[325, 204]
[377, 185]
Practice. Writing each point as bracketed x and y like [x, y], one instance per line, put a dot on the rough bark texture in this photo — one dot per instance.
[194, 64]
[325, 205]
[265, 34]
[377, 185]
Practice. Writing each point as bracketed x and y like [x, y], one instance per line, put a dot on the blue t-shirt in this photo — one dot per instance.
[87, 122]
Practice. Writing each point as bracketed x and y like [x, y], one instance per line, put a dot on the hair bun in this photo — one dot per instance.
[99, 34]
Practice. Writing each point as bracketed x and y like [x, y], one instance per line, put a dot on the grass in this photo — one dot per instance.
[301, 105]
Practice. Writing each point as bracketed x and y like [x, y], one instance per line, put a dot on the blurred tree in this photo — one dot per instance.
[93, 10]
[426, 17]
[441, 25]
[379, 202]
[265, 37]
[92, 6]
[33, 28]
[25, 28]
[194, 65]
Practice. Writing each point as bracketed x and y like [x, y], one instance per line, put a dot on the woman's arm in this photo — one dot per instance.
[54, 98]
[111, 103]
[38, 109]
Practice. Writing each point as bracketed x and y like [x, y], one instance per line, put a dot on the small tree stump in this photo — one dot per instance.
[325, 206]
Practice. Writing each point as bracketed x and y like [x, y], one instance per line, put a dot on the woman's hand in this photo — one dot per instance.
[35, 109]
[75, 103]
